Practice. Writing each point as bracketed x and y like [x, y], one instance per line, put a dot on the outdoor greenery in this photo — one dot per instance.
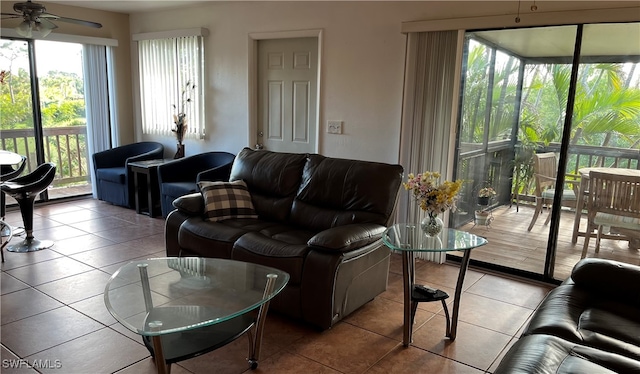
[61, 106]
[606, 112]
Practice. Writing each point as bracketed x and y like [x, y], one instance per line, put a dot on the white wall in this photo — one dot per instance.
[362, 63]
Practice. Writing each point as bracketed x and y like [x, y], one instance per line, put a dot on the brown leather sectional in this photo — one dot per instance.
[588, 324]
[320, 219]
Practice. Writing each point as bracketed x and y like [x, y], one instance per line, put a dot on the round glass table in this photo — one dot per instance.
[408, 239]
[187, 306]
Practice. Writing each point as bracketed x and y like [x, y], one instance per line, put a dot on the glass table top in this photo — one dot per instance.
[187, 292]
[409, 237]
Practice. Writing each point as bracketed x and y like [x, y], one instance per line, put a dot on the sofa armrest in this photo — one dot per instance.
[191, 204]
[346, 237]
[608, 276]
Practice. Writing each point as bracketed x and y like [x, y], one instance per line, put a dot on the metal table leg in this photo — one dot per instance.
[408, 278]
[156, 340]
[464, 265]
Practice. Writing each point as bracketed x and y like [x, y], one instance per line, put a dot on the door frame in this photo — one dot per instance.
[254, 37]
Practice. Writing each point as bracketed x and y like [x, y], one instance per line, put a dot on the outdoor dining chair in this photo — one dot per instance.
[613, 202]
[545, 174]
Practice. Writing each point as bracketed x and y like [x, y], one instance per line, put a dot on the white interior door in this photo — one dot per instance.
[287, 94]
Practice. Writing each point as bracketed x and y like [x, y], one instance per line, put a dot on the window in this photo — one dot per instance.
[167, 66]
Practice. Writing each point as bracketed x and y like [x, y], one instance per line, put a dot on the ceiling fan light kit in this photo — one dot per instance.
[37, 22]
[30, 29]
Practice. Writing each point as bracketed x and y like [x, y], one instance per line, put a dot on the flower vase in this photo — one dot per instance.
[180, 152]
[431, 225]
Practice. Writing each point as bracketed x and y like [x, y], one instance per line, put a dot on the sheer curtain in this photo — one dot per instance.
[100, 108]
[165, 67]
[429, 110]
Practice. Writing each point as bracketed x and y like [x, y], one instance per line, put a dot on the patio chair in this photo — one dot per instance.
[114, 178]
[180, 177]
[545, 171]
[613, 201]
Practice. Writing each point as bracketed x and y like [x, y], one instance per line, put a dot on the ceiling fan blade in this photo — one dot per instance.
[71, 20]
[48, 24]
[11, 15]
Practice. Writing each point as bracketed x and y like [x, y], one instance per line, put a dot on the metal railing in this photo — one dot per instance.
[64, 146]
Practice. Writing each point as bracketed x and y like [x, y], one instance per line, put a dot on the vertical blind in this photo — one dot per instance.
[167, 68]
[427, 114]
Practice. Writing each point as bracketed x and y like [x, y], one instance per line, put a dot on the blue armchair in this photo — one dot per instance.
[114, 178]
[180, 177]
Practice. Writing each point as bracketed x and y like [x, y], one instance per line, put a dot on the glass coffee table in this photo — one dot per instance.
[187, 306]
[408, 239]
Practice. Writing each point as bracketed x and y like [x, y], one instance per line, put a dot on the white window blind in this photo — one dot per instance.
[168, 67]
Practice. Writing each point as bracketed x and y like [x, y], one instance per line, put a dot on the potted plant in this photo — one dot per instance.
[485, 194]
[483, 216]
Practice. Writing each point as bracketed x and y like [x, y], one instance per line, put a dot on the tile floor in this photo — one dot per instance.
[53, 312]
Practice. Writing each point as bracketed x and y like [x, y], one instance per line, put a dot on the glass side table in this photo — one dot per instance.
[408, 238]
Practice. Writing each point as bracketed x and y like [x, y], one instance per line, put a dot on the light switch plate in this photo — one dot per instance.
[334, 127]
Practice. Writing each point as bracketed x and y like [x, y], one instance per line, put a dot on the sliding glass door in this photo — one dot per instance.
[531, 116]
[43, 110]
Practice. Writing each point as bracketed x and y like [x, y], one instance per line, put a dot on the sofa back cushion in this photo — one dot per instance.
[336, 192]
[273, 179]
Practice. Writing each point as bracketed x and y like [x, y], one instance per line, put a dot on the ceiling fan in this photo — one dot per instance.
[37, 22]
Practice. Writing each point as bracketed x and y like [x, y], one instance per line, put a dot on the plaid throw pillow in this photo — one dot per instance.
[225, 200]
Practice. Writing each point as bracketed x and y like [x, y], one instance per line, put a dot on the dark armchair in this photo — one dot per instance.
[113, 178]
[180, 177]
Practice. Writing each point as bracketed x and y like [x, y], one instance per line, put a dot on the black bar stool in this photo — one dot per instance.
[8, 172]
[25, 189]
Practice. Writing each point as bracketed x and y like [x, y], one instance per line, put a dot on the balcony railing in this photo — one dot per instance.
[495, 165]
[64, 146]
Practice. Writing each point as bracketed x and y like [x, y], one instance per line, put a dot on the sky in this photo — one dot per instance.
[50, 56]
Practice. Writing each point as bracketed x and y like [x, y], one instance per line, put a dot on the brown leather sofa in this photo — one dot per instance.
[588, 324]
[320, 219]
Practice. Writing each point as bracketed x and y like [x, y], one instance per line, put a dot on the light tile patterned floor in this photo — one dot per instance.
[53, 311]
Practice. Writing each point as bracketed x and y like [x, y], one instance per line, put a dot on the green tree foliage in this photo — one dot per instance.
[606, 111]
[61, 105]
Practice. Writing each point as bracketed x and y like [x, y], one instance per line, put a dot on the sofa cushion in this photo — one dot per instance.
[273, 179]
[225, 200]
[281, 248]
[114, 175]
[359, 192]
[594, 319]
[215, 239]
[550, 354]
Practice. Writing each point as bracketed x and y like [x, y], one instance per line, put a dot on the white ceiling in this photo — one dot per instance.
[131, 6]
[621, 39]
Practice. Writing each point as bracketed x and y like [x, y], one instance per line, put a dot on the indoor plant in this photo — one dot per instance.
[432, 198]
